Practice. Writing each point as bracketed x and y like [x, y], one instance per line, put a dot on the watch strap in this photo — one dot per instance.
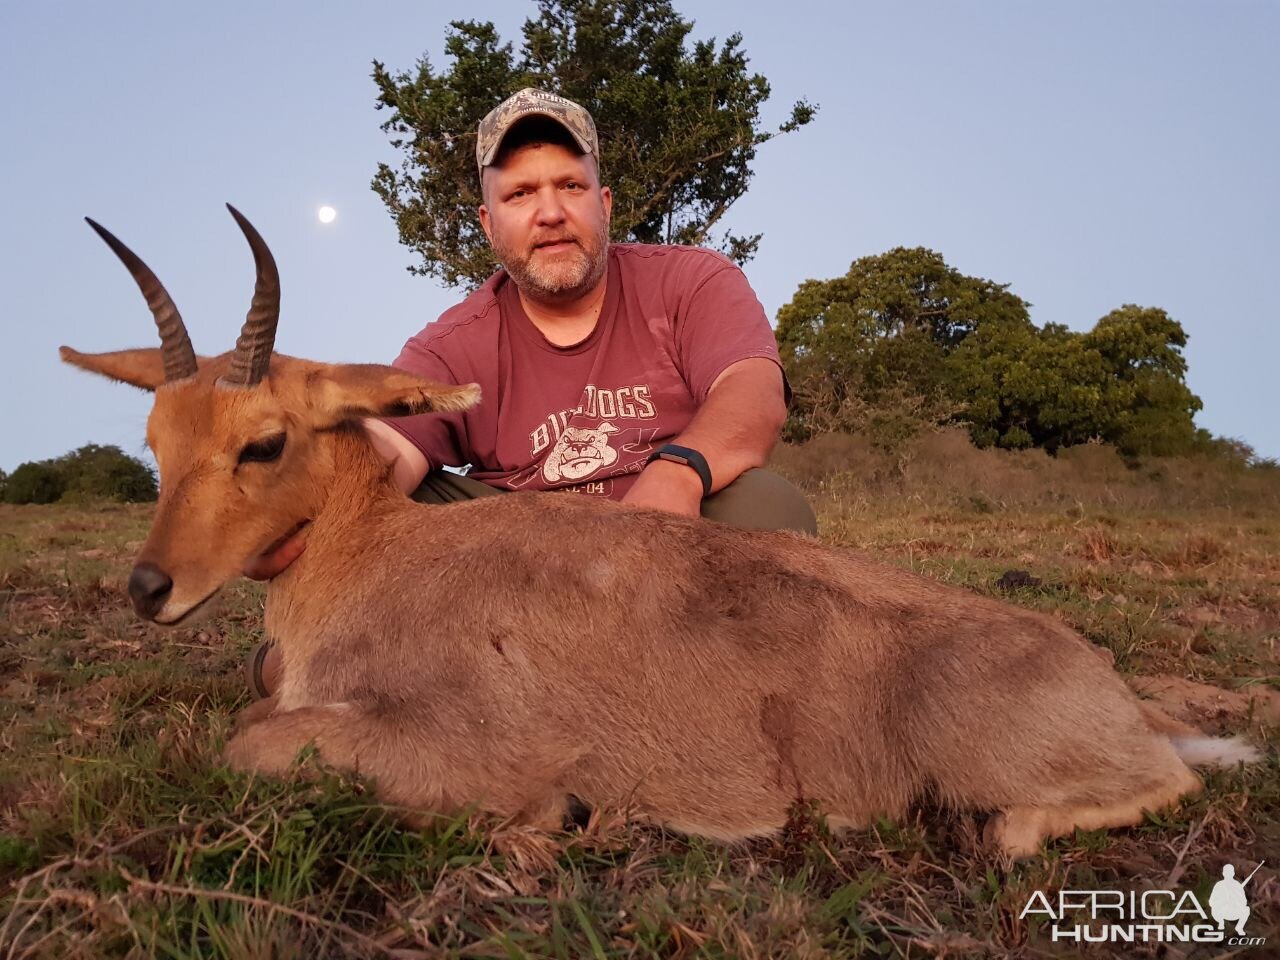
[689, 458]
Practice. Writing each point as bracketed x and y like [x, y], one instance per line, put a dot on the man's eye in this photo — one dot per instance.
[263, 451]
[573, 185]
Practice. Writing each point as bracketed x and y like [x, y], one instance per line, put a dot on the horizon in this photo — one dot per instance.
[1088, 156]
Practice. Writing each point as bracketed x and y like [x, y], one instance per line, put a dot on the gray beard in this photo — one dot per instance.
[561, 281]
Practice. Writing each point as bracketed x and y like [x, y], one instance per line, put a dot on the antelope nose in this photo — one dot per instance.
[149, 588]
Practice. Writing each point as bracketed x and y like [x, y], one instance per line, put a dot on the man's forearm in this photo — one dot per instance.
[737, 426]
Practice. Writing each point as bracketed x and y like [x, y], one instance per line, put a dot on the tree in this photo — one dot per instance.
[679, 126]
[1025, 387]
[1142, 347]
[903, 341]
[872, 345]
[1121, 382]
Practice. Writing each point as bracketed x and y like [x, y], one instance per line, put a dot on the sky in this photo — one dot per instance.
[1089, 154]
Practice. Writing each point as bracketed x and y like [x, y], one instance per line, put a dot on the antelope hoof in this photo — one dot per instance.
[1016, 833]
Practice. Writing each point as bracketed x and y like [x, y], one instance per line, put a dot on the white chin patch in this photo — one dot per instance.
[182, 612]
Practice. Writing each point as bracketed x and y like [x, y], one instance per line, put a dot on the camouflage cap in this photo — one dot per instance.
[529, 103]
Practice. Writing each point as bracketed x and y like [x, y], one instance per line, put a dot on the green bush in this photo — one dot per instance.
[35, 483]
[93, 472]
[106, 472]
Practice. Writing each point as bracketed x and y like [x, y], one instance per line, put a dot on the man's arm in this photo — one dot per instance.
[734, 429]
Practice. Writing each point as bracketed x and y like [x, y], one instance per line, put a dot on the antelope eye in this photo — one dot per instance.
[263, 451]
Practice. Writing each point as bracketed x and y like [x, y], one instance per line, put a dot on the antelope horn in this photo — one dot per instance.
[257, 336]
[175, 344]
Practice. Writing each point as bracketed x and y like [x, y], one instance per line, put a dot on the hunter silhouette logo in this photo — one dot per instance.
[1148, 916]
[1228, 900]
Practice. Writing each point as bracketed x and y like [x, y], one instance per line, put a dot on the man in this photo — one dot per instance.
[646, 374]
[592, 357]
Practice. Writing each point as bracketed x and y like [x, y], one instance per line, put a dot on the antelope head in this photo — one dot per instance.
[240, 438]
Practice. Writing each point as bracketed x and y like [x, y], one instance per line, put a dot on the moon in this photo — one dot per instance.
[326, 214]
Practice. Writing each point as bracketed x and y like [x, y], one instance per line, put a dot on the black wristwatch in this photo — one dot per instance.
[687, 456]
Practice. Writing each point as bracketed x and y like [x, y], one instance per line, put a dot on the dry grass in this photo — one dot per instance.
[121, 836]
[945, 469]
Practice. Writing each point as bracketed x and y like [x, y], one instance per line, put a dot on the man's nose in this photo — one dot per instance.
[550, 207]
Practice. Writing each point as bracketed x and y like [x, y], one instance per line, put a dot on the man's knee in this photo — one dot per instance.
[762, 500]
[442, 486]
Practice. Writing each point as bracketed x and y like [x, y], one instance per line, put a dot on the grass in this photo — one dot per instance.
[121, 835]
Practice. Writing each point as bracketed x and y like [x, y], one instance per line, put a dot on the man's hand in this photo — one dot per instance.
[408, 464]
[272, 564]
[664, 485]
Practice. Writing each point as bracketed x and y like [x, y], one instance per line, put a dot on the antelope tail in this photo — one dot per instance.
[1223, 752]
[1192, 746]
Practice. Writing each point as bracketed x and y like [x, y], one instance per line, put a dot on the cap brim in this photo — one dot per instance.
[497, 143]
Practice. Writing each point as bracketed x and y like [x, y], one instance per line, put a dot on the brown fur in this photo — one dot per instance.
[513, 651]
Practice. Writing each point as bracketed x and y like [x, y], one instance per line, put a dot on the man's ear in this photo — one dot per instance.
[143, 367]
[347, 391]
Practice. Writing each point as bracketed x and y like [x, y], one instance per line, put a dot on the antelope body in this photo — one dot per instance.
[517, 651]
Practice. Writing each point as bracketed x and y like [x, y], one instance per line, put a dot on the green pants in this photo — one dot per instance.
[757, 500]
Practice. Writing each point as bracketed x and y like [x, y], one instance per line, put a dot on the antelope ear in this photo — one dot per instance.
[143, 367]
[348, 391]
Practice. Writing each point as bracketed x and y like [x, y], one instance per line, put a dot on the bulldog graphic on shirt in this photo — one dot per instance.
[580, 452]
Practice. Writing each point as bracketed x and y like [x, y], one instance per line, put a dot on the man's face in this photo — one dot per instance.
[547, 219]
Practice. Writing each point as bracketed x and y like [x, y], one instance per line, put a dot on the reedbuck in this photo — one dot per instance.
[518, 651]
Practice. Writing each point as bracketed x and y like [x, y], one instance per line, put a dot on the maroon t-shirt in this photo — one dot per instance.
[586, 416]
